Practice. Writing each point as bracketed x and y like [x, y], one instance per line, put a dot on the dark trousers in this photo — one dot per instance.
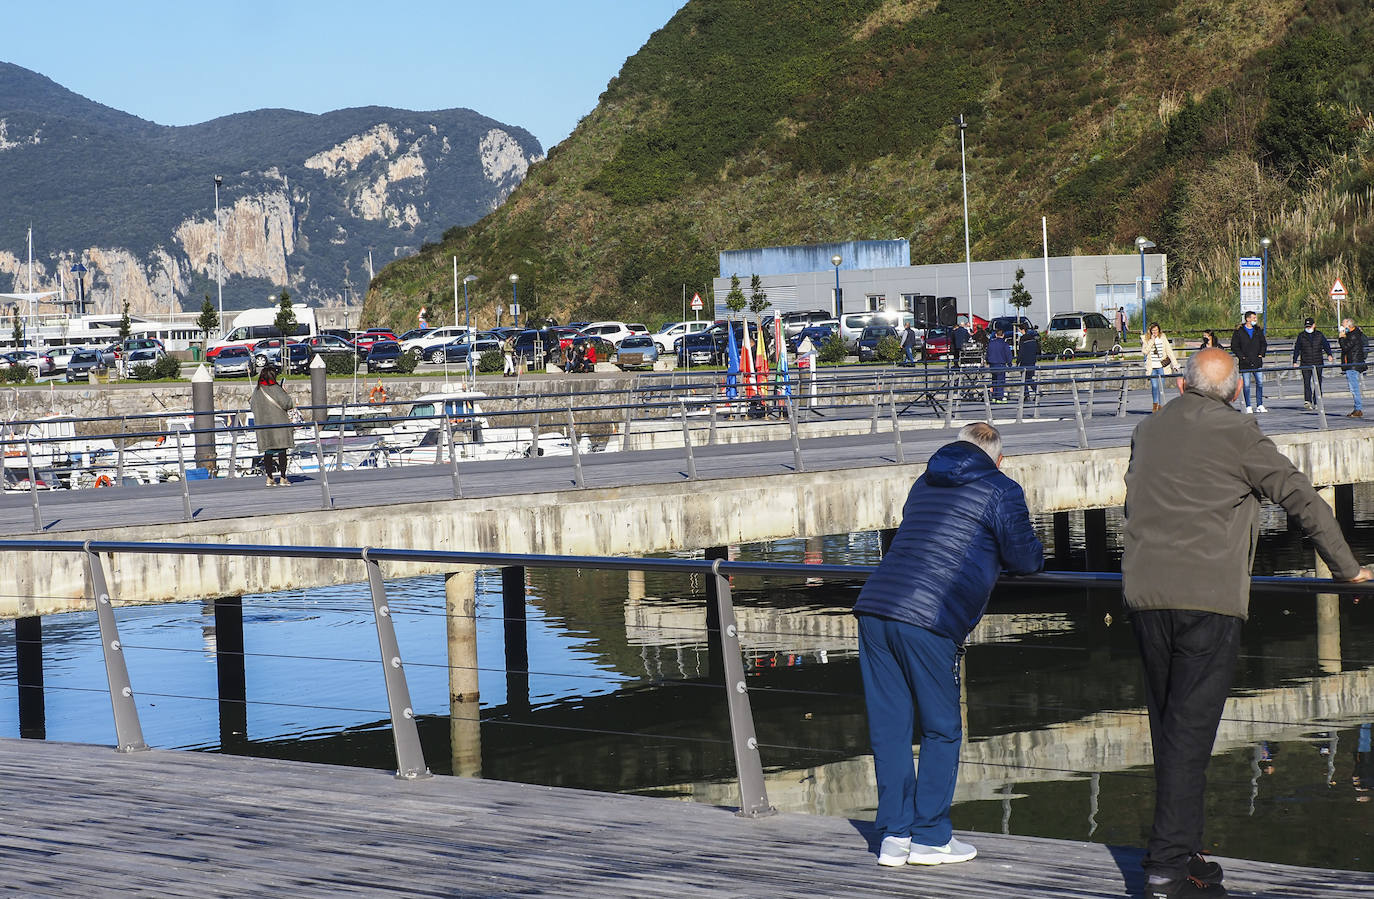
[1190, 659]
[999, 381]
[1028, 377]
[1308, 395]
[274, 463]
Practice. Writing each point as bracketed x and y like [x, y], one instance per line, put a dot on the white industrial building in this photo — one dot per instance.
[877, 275]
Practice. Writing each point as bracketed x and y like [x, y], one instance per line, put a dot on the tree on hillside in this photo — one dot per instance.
[126, 324]
[1020, 297]
[285, 322]
[734, 300]
[758, 300]
[209, 318]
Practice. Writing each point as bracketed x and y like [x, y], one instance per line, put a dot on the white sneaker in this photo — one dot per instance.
[1249, 410]
[1262, 409]
[894, 851]
[953, 851]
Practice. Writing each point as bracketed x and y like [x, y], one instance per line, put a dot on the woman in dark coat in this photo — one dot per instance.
[272, 405]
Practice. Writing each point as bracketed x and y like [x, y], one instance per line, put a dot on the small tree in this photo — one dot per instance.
[126, 324]
[17, 335]
[1020, 297]
[734, 300]
[209, 318]
[285, 322]
[758, 300]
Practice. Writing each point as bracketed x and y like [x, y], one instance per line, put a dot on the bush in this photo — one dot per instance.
[340, 363]
[1051, 346]
[833, 350]
[142, 371]
[490, 361]
[406, 364]
[15, 374]
[889, 349]
[168, 367]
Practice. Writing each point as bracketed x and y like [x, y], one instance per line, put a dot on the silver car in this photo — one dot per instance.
[1088, 332]
[638, 351]
[231, 361]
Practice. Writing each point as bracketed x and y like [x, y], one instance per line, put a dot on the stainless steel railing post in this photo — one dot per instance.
[896, 429]
[33, 486]
[185, 481]
[576, 452]
[797, 463]
[1078, 414]
[1317, 397]
[410, 757]
[687, 442]
[1121, 403]
[452, 458]
[753, 792]
[326, 499]
[128, 732]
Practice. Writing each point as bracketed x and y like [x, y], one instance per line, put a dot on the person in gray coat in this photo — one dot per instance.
[1198, 471]
[272, 405]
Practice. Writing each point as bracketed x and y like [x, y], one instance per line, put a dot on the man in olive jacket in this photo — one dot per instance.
[1197, 473]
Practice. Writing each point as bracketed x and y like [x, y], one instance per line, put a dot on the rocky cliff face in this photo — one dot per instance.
[305, 199]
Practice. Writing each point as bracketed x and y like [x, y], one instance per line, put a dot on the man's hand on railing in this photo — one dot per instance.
[1364, 575]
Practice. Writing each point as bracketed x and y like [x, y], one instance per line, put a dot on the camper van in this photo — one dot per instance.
[252, 325]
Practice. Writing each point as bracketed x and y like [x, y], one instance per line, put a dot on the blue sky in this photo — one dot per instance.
[540, 64]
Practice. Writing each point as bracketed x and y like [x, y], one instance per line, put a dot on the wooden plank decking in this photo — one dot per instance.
[83, 820]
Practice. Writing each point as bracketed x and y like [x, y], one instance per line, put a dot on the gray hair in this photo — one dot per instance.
[984, 436]
[1212, 372]
[1348, 323]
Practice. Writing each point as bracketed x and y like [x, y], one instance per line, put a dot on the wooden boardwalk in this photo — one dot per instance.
[83, 820]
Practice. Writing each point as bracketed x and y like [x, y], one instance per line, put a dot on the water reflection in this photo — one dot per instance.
[619, 695]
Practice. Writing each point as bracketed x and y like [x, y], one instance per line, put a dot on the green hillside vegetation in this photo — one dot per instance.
[1203, 124]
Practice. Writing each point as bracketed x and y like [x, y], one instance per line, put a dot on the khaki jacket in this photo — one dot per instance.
[1193, 487]
[272, 405]
[1158, 353]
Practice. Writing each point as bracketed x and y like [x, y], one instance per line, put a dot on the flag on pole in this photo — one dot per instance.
[747, 362]
[782, 357]
[731, 364]
[761, 366]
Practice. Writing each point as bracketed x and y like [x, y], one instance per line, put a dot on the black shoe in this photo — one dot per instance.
[1203, 870]
[1182, 888]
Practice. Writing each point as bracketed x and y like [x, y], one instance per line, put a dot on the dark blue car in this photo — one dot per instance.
[384, 355]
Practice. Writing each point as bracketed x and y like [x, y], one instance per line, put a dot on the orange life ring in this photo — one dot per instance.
[161, 440]
[378, 394]
[103, 481]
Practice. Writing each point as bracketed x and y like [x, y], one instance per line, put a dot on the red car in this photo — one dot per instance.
[939, 344]
[365, 340]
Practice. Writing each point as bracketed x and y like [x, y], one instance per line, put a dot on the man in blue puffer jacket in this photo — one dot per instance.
[964, 522]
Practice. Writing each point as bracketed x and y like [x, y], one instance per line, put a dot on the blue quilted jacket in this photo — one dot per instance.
[964, 523]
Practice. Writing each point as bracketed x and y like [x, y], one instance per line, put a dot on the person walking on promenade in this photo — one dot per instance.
[1160, 360]
[1310, 350]
[271, 406]
[909, 345]
[1354, 349]
[963, 522]
[508, 356]
[1121, 322]
[1027, 355]
[1196, 476]
[1249, 346]
[999, 359]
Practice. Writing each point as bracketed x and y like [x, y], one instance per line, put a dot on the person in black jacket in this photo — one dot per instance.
[1353, 351]
[1027, 355]
[1310, 350]
[963, 523]
[1249, 346]
[999, 359]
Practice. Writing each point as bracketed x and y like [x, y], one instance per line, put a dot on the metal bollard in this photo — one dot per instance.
[1078, 414]
[753, 791]
[325, 498]
[128, 732]
[33, 486]
[797, 463]
[896, 430]
[410, 757]
[687, 442]
[576, 453]
[185, 481]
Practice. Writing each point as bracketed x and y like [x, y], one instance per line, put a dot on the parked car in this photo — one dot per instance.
[414, 333]
[38, 363]
[231, 361]
[667, 336]
[82, 362]
[143, 343]
[1088, 332]
[458, 350]
[852, 324]
[637, 351]
[696, 348]
[329, 344]
[298, 355]
[793, 323]
[870, 338]
[612, 331]
[146, 356]
[383, 355]
[1009, 323]
[366, 339]
[819, 334]
[939, 344]
[430, 346]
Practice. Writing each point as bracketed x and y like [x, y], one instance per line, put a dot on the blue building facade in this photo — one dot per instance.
[854, 254]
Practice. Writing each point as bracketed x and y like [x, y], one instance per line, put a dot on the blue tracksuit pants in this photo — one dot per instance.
[911, 675]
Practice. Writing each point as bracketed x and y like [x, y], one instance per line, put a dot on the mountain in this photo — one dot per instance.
[1202, 124]
[304, 197]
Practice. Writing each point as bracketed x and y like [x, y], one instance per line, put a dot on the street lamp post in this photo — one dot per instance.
[514, 301]
[1265, 244]
[839, 301]
[219, 257]
[1141, 245]
[963, 168]
[467, 323]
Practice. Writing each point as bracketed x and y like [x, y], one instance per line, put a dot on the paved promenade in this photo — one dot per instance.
[82, 820]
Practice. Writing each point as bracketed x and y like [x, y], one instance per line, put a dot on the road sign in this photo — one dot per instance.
[1337, 290]
[1251, 284]
[697, 304]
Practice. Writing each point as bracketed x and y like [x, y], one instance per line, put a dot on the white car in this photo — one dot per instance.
[665, 336]
[613, 331]
[435, 339]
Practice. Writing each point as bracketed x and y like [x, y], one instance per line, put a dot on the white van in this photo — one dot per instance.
[665, 336]
[852, 324]
[252, 325]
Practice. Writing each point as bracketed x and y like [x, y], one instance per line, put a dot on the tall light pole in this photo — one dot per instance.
[514, 301]
[467, 323]
[839, 302]
[1265, 244]
[1141, 245]
[963, 168]
[219, 257]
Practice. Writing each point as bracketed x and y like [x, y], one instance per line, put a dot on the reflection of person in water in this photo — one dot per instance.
[1363, 776]
[1266, 756]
